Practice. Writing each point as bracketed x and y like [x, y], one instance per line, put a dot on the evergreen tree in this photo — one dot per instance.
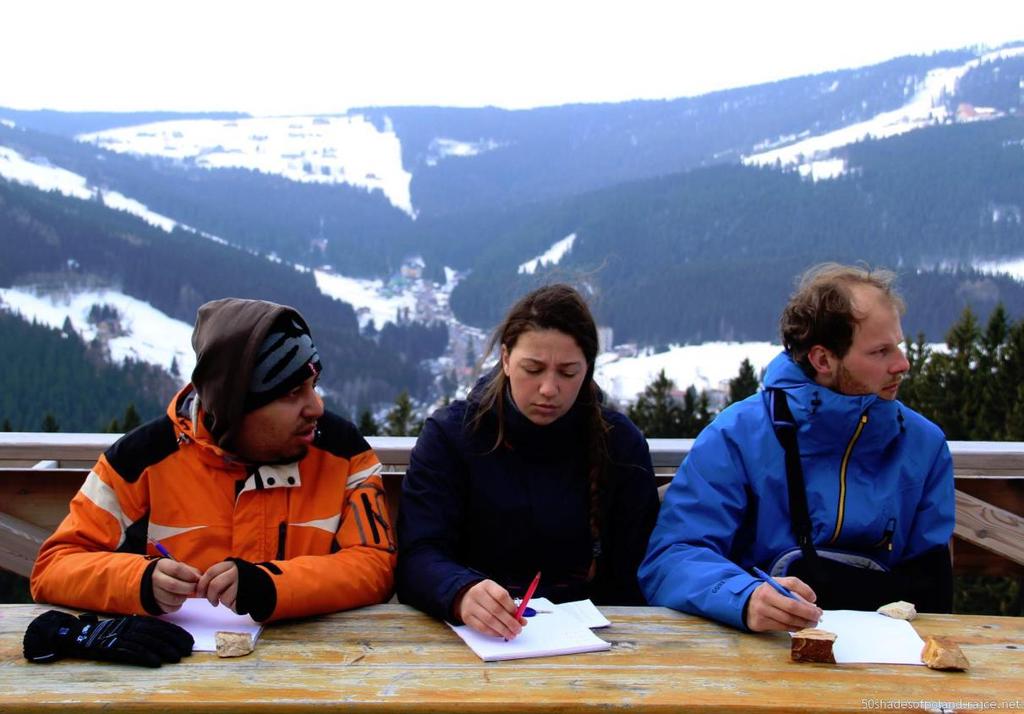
[743, 384]
[656, 412]
[696, 412]
[994, 395]
[1013, 382]
[367, 425]
[949, 392]
[7, 425]
[400, 420]
[913, 388]
[1015, 418]
[50, 424]
[131, 419]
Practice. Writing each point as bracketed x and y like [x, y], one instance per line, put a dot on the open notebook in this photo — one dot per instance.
[203, 621]
[554, 630]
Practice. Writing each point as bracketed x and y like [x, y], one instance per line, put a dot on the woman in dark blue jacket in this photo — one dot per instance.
[530, 473]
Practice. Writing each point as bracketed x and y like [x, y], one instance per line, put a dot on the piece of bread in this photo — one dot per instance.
[813, 645]
[899, 610]
[233, 644]
[943, 653]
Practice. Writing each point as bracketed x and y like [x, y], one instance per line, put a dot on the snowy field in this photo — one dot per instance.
[369, 297]
[706, 366]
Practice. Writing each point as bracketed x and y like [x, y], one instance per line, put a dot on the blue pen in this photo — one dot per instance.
[160, 548]
[779, 588]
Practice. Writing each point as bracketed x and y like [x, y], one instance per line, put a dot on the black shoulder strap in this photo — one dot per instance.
[785, 431]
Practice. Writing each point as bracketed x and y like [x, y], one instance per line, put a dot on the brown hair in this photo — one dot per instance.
[555, 307]
[821, 311]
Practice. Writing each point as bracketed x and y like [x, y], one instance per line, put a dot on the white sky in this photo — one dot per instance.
[317, 56]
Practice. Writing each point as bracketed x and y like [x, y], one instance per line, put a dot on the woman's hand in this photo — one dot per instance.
[488, 608]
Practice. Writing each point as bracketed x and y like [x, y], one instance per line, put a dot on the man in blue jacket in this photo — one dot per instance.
[859, 514]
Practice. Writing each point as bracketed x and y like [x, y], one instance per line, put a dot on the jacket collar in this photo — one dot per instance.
[825, 418]
[186, 413]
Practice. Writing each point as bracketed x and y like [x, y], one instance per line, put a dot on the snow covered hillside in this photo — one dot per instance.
[144, 333]
[812, 154]
[150, 336]
[321, 149]
[40, 173]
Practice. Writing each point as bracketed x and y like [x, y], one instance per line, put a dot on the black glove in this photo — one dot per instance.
[144, 641]
[257, 594]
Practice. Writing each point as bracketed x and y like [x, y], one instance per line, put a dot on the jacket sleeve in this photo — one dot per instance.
[936, 511]
[430, 519]
[630, 515]
[927, 569]
[687, 566]
[95, 559]
[361, 571]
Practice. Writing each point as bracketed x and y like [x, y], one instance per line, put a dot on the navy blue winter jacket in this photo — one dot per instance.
[470, 512]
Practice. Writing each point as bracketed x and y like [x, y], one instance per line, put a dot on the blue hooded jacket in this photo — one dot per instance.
[879, 482]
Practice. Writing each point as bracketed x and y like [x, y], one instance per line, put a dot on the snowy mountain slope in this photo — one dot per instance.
[552, 256]
[321, 149]
[145, 334]
[924, 108]
[300, 149]
[433, 160]
[148, 335]
[371, 298]
[41, 174]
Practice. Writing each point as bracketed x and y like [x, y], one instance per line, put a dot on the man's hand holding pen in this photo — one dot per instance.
[783, 604]
[173, 583]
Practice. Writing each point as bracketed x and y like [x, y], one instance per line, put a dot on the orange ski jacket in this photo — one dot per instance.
[319, 526]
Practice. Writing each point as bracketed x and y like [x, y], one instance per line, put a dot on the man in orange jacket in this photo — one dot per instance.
[259, 498]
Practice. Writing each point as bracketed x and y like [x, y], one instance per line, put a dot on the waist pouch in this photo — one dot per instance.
[841, 580]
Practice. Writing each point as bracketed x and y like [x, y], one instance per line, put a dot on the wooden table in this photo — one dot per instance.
[390, 657]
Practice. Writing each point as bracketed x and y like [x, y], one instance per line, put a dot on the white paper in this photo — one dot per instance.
[547, 634]
[203, 621]
[586, 612]
[871, 637]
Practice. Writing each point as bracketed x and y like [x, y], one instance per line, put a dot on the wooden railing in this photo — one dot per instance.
[39, 473]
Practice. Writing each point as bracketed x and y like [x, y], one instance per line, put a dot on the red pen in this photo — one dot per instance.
[526, 598]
